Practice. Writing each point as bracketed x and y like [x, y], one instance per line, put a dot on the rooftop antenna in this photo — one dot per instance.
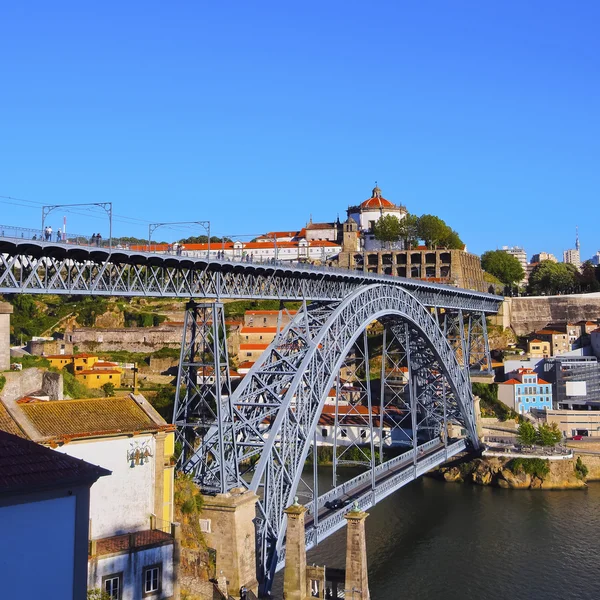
[576, 237]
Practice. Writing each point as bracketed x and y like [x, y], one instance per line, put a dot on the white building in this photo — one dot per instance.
[369, 212]
[595, 260]
[44, 511]
[131, 511]
[541, 256]
[518, 253]
[572, 257]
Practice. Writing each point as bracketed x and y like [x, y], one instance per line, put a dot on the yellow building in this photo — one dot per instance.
[80, 362]
[538, 348]
[96, 378]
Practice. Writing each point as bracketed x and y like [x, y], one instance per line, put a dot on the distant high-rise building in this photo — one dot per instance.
[540, 256]
[595, 260]
[572, 256]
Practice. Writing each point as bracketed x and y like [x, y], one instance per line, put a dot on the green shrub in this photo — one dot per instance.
[2, 382]
[581, 470]
[537, 467]
[29, 361]
[109, 389]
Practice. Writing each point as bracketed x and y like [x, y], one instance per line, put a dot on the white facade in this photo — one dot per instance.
[130, 567]
[123, 501]
[37, 550]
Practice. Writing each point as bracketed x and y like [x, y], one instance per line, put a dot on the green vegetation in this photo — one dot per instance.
[581, 470]
[97, 594]
[166, 353]
[537, 467]
[387, 229]
[188, 507]
[429, 228]
[489, 404]
[109, 389]
[142, 319]
[354, 453]
[29, 361]
[552, 278]
[2, 382]
[239, 307]
[164, 401]
[544, 435]
[502, 265]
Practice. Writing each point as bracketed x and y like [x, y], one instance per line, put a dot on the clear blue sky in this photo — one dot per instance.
[255, 115]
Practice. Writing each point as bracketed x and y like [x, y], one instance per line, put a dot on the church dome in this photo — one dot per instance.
[377, 201]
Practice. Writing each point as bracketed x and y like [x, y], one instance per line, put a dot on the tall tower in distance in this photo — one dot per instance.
[573, 256]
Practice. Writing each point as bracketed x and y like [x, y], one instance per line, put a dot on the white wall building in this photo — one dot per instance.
[572, 257]
[131, 511]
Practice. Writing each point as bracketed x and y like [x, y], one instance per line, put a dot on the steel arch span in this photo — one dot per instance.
[272, 417]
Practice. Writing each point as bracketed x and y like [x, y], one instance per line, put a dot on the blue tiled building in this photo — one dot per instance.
[526, 391]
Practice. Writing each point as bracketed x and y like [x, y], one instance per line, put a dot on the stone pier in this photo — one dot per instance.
[357, 580]
[5, 312]
[229, 529]
[294, 578]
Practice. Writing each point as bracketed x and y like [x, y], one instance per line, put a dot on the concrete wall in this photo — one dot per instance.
[132, 339]
[5, 312]
[37, 553]
[131, 565]
[31, 381]
[533, 313]
[123, 501]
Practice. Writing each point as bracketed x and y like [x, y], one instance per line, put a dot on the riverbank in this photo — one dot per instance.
[523, 474]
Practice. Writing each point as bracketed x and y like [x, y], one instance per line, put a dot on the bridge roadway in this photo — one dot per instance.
[389, 477]
[36, 267]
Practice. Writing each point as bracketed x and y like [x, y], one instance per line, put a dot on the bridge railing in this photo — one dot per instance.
[365, 477]
[37, 234]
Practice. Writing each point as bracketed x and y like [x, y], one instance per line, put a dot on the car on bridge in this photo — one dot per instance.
[337, 503]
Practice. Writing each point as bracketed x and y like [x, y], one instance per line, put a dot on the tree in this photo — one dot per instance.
[502, 265]
[452, 240]
[588, 280]
[387, 229]
[552, 278]
[431, 230]
[408, 230]
[548, 435]
[109, 389]
[97, 594]
[527, 434]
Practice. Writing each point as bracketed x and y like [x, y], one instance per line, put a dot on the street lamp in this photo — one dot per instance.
[205, 224]
[106, 206]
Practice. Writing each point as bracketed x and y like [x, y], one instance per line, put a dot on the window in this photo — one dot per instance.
[324, 432]
[112, 585]
[363, 434]
[248, 353]
[344, 433]
[151, 580]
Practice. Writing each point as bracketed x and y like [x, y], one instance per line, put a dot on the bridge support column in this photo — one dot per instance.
[5, 312]
[357, 580]
[294, 577]
[232, 534]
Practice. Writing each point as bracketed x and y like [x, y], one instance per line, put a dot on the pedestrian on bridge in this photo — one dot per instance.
[98, 239]
[93, 239]
[48, 233]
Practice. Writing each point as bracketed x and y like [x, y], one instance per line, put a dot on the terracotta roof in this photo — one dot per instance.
[65, 419]
[253, 346]
[543, 382]
[82, 355]
[510, 382]
[125, 542]
[549, 332]
[259, 330]
[268, 312]
[28, 467]
[8, 424]
[247, 364]
[276, 234]
[536, 341]
[99, 372]
[376, 202]
[321, 226]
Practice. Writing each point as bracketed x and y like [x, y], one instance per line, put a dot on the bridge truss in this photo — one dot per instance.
[428, 337]
[260, 435]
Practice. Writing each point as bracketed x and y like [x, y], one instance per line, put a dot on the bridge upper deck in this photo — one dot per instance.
[29, 266]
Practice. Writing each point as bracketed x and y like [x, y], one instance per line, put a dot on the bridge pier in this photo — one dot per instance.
[294, 577]
[357, 580]
[5, 312]
[231, 533]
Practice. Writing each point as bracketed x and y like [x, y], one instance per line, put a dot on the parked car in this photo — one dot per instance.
[337, 503]
[577, 437]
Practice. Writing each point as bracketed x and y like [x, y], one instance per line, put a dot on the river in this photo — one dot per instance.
[433, 540]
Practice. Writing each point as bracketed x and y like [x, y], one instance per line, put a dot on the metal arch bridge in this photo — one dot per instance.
[259, 436]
